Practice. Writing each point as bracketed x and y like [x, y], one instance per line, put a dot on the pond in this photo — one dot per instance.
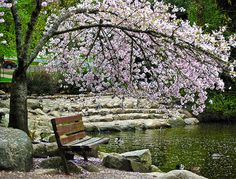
[209, 149]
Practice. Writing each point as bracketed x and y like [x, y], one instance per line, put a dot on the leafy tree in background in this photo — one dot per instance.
[177, 61]
[203, 12]
[229, 8]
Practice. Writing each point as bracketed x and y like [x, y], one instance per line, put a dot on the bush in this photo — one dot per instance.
[42, 83]
[221, 107]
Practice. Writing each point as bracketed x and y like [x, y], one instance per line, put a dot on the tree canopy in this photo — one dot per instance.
[138, 48]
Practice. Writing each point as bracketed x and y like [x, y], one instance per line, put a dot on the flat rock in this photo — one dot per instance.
[176, 174]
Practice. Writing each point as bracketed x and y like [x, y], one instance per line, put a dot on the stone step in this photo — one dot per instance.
[121, 117]
[106, 111]
[109, 102]
[111, 105]
[124, 125]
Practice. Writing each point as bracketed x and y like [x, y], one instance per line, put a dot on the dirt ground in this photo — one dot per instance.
[104, 174]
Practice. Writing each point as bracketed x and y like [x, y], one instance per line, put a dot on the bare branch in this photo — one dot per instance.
[149, 32]
[91, 47]
[18, 30]
[31, 25]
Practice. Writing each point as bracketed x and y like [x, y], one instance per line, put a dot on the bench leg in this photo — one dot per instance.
[64, 162]
[84, 154]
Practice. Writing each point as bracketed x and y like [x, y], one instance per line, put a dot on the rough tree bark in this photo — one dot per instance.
[18, 102]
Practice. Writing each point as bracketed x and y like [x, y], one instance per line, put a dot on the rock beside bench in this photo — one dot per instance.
[16, 151]
[137, 161]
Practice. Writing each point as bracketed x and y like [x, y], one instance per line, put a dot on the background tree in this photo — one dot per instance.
[112, 35]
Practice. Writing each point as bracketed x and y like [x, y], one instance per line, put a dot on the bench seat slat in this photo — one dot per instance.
[94, 139]
[78, 141]
[70, 128]
[101, 141]
[91, 142]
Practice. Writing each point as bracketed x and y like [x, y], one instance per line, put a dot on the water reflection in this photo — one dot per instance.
[207, 149]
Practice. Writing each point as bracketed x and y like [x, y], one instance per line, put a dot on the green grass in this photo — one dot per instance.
[5, 80]
[8, 72]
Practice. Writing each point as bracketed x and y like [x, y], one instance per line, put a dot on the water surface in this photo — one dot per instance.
[208, 149]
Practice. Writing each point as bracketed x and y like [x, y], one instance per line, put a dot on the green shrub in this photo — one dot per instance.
[220, 107]
[42, 83]
[64, 87]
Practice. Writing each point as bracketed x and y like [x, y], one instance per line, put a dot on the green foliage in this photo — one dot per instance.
[203, 12]
[7, 28]
[41, 83]
[66, 88]
[5, 80]
[220, 107]
[206, 12]
[25, 9]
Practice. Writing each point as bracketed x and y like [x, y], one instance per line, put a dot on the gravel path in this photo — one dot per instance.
[104, 174]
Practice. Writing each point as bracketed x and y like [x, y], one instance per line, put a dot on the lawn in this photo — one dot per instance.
[5, 80]
[8, 72]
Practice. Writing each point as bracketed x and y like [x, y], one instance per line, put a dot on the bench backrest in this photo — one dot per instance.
[68, 129]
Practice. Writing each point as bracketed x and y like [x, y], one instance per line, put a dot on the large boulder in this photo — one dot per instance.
[140, 160]
[137, 161]
[117, 161]
[16, 151]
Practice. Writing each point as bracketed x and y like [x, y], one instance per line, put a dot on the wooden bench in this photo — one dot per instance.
[70, 136]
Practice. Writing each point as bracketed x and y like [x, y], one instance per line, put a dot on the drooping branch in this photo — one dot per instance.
[153, 33]
[91, 47]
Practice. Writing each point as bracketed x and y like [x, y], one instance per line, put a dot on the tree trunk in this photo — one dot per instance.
[18, 102]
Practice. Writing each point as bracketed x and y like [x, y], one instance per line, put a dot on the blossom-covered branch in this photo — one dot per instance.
[138, 48]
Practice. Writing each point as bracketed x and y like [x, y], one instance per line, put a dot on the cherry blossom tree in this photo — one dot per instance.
[178, 61]
[129, 47]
